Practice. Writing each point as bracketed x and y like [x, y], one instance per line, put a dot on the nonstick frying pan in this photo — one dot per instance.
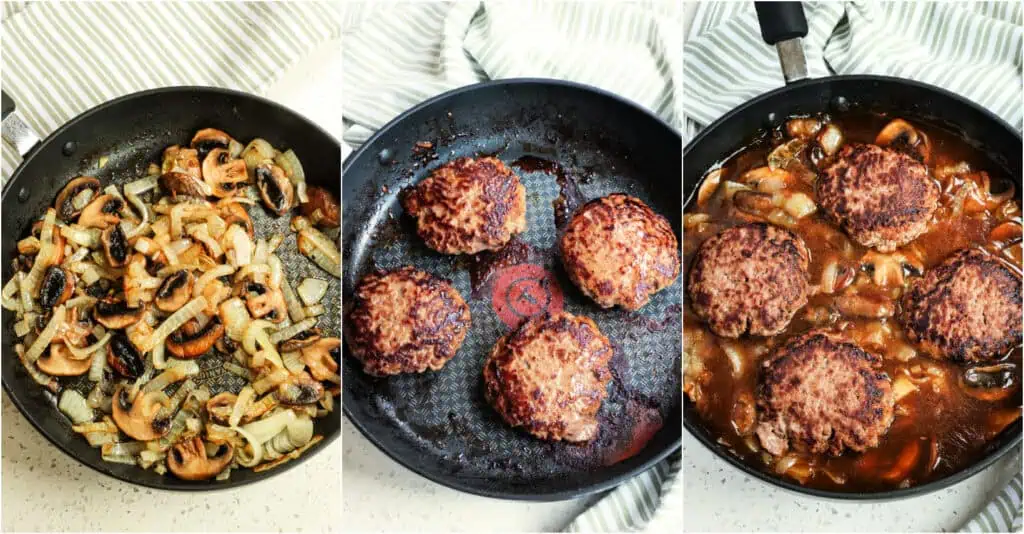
[783, 22]
[132, 132]
[564, 140]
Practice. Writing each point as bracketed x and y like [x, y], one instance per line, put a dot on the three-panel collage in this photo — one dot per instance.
[479, 266]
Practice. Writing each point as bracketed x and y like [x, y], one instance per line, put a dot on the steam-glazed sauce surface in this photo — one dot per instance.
[946, 412]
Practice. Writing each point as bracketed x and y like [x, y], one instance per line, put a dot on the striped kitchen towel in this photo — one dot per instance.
[1002, 513]
[399, 54]
[60, 59]
[973, 49]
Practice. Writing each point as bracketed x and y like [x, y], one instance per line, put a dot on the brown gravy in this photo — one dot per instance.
[939, 428]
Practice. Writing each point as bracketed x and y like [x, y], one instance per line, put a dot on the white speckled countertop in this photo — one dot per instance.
[45, 490]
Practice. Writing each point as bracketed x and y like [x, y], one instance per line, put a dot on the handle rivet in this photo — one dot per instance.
[384, 156]
[22, 194]
[841, 104]
[69, 148]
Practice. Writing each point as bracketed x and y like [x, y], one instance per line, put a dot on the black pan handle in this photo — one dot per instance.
[783, 24]
[20, 135]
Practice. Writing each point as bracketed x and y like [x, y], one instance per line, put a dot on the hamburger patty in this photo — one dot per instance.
[467, 206]
[549, 377]
[749, 279]
[620, 252]
[820, 393]
[881, 198]
[968, 308]
[405, 321]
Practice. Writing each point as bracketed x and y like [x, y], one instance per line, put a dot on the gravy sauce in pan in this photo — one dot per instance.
[946, 413]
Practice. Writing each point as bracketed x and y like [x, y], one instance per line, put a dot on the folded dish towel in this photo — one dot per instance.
[60, 59]
[398, 55]
[973, 49]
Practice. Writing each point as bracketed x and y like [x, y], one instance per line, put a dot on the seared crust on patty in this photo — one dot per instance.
[749, 279]
[967, 308]
[467, 206]
[820, 393]
[881, 198]
[550, 376]
[620, 252]
[405, 321]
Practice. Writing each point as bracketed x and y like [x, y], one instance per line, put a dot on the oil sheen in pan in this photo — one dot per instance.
[444, 412]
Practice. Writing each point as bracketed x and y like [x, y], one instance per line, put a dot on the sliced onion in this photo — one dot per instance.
[178, 371]
[293, 361]
[291, 331]
[81, 200]
[124, 448]
[289, 162]
[10, 288]
[46, 336]
[276, 271]
[312, 290]
[268, 427]
[174, 322]
[252, 269]
[73, 405]
[235, 317]
[271, 380]
[81, 354]
[315, 310]
[160, 356]
[81, 301]
[238, 370]
[96, 369]
[300, 431]
[291, 302]
[208, 276]
[256, 339]
[243, 457]
[238, 241]
[241, 404]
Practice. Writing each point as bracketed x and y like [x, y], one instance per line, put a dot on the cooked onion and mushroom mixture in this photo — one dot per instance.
[165, 319]
[853, 303]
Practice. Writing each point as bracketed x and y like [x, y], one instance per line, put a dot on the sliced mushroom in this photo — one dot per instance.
[188, 459]
[224, 175]
[175, 291]
[234, 213]
[123, 357]
[990, 382]
[323, 358]
[183, 160]
[208, 139]
[190, 341]
[58, 361]
[323, 201]
[181, 184]
[264, 302]
[275, 188]
[220, 407]
[300, 340]
[299, 389]
[900, 135]
[753, 202]
[56, 287]
[115, 246]
[115, 313]
[75, 196]
[102, 212]
[139, 419]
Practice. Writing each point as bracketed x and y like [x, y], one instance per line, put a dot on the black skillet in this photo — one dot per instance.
[784, 21]
[132, 132]
[561, 138]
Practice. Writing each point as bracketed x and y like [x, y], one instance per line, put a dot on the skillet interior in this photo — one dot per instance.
[897, 98]
[438, 424]
[132, 132]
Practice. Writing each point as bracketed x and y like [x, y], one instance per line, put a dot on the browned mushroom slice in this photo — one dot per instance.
[56, 287]
[188, 459]
[139, 419]
[275, 188]
[183, 160]
[208, 139]
[190, 341]
[299, 389]
[181, 184]
[102, 212]
[123, 357]
[115, 314]
[322, 201]
[990, 383]
[300, 340]
[224, 175]
[234, 213]
[220, 406]
[264, 302]
[75, 196]
[901, 136]
[58, 361]
[322, 358]
[175, 291]
[115, 246]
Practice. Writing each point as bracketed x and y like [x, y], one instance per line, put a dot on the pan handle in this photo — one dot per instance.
[20, 135]
[783, 24]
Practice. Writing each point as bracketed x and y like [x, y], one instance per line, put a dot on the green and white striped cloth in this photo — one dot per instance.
[399, 54]
[60, 59]
[973, 49]
[1002, 513]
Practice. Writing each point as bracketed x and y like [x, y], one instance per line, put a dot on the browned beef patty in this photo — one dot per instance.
[820, 393]
[550, 376]
[881, 198]
[749, 279]
[967, 308]
[467, 206]
[405, 321]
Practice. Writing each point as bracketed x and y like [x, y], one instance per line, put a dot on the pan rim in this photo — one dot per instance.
[16, 175]
[880, 496]
[453, 482]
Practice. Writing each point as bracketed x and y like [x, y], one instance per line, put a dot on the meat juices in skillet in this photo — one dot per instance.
[620, 252]
[966, 309]
[820, 393]
[749, 279]
[882, 198]
[406, 321]
[468, 206]
[550, 377]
